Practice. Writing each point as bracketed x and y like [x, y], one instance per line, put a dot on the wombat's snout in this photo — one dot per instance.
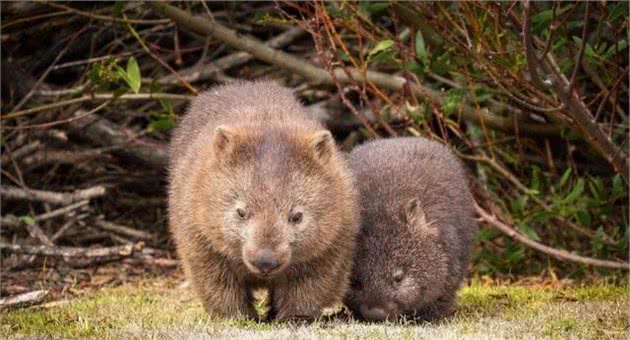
[373, 314]
[377, 313]
[265, 261]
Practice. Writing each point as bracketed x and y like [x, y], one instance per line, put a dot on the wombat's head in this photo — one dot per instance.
[281, 194]
[399, 265]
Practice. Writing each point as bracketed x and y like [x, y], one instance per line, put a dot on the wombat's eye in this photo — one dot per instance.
[295, 218]
[242, 214]
[398, 276]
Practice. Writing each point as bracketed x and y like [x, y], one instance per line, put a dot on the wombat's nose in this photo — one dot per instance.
[265, 261]
[374, 313]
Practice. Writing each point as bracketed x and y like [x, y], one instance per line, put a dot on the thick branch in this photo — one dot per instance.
[318, 75]
[580, 113]
[586, 122]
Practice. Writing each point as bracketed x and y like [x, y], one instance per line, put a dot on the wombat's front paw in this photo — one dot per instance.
[297, 315]
[221, 315]
[231, 312]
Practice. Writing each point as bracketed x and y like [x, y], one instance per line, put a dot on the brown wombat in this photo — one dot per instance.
[417, 230]
[260, 197]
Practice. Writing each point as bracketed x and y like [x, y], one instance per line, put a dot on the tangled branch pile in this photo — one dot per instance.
[532, 96]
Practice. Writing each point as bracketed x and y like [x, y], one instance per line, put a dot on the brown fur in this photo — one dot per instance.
[246, 160]
[417, 229]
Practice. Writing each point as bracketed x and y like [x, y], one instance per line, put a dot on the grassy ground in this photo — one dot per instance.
[158, 309]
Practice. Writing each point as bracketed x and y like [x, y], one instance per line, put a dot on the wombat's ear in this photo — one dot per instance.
[323, 145]
[223, 139]
[414, 214]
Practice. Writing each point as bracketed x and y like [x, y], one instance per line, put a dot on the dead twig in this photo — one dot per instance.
[14, 221]
[23, 300]
[123, 230]
[15, 193]
[98, 96]
[104, 252]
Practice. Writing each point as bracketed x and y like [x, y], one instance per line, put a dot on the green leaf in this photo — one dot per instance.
[597, 240]
[166, 105]
[117, 9]
[382, 46]
[487, 234]
[542, 216]
[29, 220]
[161, 124]
[421, 50]
[133, 73]
[527, 230]
[535, 183]
[122, 73]
[543, 19]
[515, 255]
[617, 185]
[119, 92]
[617, 11]
[413, 67]
[576, 192]
[343, 56]
[370, 8]
[384, 56]
[584, 217]
[565, 177]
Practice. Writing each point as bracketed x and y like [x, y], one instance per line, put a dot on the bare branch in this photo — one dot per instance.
[22, 300]
[557, 253]
[304, 68]
[586, 122]
[14, 221]
[15, 193]
[123, 230]
[98, 96]
[105, 252]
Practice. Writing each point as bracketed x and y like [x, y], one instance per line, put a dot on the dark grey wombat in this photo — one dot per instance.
[417, 230]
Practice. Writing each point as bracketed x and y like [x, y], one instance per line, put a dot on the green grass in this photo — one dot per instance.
[157, 309]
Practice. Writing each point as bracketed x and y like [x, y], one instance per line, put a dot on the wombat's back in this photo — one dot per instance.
[390, 172]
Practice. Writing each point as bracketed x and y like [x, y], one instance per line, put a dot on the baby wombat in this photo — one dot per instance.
[417, 229]
[260, 197]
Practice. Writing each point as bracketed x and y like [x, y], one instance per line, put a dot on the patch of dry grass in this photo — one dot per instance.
[158, 309]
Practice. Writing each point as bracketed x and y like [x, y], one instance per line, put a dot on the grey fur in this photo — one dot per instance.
[416, 219]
